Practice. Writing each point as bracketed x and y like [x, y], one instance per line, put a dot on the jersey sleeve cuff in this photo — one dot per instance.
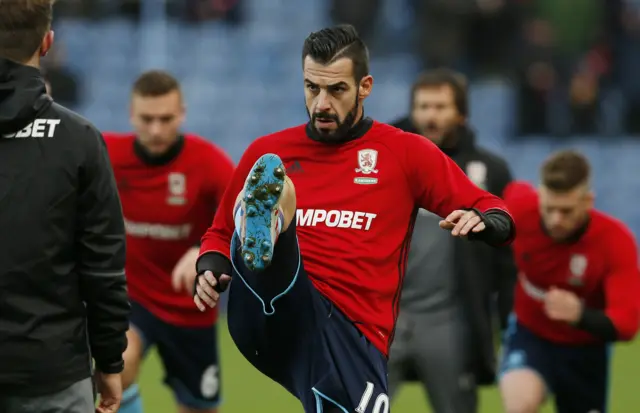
[499, 229]
[215, 262]
[597, 323]
[110, 368]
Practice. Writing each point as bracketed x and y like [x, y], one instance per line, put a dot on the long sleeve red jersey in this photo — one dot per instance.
[167, 207]
[601, 268]
[356, 205]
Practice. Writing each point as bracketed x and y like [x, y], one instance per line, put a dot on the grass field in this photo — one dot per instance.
[245, 390]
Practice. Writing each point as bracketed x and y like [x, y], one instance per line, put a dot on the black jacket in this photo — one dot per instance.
[62, 245]
[487, 275]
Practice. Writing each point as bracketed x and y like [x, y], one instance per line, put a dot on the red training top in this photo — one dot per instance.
[601, 268]
[357, 203]
[167, 207]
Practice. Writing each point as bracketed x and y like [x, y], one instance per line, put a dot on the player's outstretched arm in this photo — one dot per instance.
[440, 186]
[101, 257]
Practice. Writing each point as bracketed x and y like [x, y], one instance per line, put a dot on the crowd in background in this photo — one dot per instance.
[566, 58]
[573, 63]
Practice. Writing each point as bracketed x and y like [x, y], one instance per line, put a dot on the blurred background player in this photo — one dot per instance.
[578, 292]
[170, 185]
[327, 338]
[444, 336]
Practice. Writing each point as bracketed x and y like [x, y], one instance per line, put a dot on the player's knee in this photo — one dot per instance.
[132, 357]
[523, 391]
[520, 404]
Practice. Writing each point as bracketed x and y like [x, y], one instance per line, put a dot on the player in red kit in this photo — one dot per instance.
[170, 186]
[319, 248]
[319, 252]
[578, 292]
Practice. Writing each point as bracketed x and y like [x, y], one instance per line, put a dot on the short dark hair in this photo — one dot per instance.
[565, 170]
[328, 45]
[444, 77]
[155, 83]
[23, 25]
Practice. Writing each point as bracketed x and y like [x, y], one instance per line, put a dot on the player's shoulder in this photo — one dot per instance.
[118, 139]
[118, 144]
[611, 227]
[381, 130]
[522, 199]
[198, 141]
[399, 142]
[201, 147]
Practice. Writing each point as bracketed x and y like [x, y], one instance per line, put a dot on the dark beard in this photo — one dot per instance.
[341, 132]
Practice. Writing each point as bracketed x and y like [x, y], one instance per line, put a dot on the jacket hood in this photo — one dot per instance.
[22, 89]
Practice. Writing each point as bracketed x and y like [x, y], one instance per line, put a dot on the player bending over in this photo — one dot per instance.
[170, 185]
[319, 254]
[578, 292]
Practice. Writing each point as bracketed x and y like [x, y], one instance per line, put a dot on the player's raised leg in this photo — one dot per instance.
[265, 208]
[269, 269]
[522, 391]
[264, 250]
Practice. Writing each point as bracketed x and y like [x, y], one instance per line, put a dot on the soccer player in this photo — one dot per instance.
[63, 293]
[578, 292]
[170, 185]
[319, 255]
[445, 336]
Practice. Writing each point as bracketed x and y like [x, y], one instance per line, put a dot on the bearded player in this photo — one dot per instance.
[170, 185]
[319, 255]
[578, 292]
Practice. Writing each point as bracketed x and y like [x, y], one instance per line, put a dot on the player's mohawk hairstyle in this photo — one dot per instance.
[330, 44]
[565, 170]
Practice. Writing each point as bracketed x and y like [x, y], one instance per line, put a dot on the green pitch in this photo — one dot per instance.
[245, 390]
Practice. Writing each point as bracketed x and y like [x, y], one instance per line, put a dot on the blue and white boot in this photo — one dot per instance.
[258, 215]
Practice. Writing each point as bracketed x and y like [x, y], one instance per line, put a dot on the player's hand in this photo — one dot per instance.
[184, 274]
[110, 391]
[461, 223]
[206, 295]
[562, 305]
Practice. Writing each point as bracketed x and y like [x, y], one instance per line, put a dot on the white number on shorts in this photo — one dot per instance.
[380, 406]
[210, 384]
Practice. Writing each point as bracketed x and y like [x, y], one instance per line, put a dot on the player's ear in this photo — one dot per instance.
[183, 113]
[364, 89]
[47, 42]
[591, 199]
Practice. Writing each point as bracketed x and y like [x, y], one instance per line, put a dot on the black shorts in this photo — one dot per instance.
[293, 334]
[577, 376]
[189, 356]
